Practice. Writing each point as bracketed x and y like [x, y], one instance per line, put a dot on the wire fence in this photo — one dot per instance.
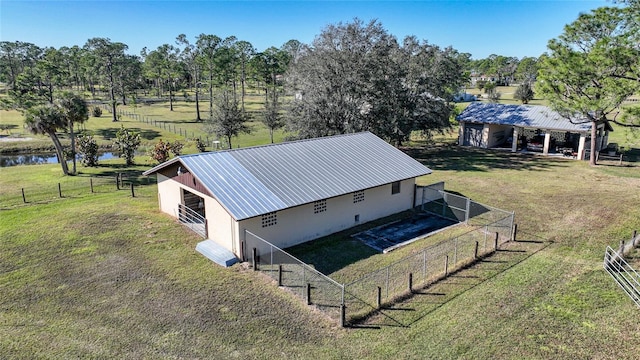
[392, 283]
[436, 201]
[353, 302]
[164, 125]
[310, 285]
[72, 187]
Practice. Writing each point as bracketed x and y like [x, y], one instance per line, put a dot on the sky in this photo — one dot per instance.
[480, 27]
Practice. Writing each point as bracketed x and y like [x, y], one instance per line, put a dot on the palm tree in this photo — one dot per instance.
[46, 120]
[75, 111]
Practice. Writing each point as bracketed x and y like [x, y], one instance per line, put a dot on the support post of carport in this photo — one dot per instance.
[547, 141]
[514, 139]
[583, 138]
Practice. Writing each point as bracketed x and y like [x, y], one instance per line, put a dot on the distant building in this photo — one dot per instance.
[526, 127]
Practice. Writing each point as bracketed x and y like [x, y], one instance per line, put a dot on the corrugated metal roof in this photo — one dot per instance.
[257, 180]
[528, 116]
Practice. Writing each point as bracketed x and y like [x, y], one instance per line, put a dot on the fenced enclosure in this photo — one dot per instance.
[391, 283]
[352, 302]
[308, 284]
[72, 186]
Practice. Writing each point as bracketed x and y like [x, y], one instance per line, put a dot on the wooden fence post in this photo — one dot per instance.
[132, 193]
[118, 181]
[475, 253]
[446, 265]
[59, 190]
[24, 199]
[254, 260]
[91, 184]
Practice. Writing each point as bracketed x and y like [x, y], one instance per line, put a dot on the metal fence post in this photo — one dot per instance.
[455, 251]
[379, 297]
[308, 294]
[424, 264]
[486, 233]
[24, 198]
[466, 213]
[279, 274]
[59, 190]
[387, 284]
[515, 232]
[91, 184]
[410, 282]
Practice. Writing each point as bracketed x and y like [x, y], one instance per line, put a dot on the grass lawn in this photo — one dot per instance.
[107, 275]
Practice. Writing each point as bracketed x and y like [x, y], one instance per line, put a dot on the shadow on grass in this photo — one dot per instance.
[410, 308]
[459, 158]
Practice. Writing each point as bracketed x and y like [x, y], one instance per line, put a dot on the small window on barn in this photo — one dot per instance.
[319, 206]
[395, 187]
[269, 219]
[358, 196]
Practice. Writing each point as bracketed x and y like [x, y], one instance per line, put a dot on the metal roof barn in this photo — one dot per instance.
[254, 181]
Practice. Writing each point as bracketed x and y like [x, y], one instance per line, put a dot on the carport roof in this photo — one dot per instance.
[526, 116]
[257, 180]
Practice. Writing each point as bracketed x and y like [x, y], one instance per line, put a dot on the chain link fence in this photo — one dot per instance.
[355, 301]
[433, 199]
[396, 281]
[310, 285]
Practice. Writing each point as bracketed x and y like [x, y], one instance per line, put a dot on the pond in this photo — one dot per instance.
[37, 159]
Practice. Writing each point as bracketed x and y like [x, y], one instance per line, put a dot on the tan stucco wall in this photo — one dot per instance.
[223, 229]
[300, 224]
[221, 226]
[169, 195]
[294, 225]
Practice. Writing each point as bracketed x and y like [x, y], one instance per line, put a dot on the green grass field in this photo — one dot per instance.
[108, 276]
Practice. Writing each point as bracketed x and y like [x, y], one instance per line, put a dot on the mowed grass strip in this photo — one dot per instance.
[109, 276]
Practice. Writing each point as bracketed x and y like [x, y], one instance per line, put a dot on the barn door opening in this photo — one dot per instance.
[192, 213]
[193, 202]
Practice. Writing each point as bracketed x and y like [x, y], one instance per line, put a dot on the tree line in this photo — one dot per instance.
[354, 76]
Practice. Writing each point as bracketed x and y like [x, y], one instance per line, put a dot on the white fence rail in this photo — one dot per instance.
[624, 275]
[193, 220]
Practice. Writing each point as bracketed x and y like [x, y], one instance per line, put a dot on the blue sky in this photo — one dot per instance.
[507, 27]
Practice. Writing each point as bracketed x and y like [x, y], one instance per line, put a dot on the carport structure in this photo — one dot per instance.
[527, 128]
